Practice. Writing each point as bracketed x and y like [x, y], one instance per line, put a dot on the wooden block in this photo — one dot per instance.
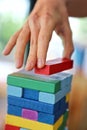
[25, 113]
[48, 118]
[34, 105]
[30, 124]
[67, 97]
[10, 127]
[30, 94]
[14, 91]
[53, 98]
[67, 77]
[24, 129]
[30, 114]
[34, 81]
[14, 110]
[63, 125]
[51, 119]
[54, 66]
[36, 115]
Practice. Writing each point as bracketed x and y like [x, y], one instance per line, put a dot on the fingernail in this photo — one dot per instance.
[18, 64]
[40, 63]
[29, 66]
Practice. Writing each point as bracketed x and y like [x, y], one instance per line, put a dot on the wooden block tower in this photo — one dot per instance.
[37, 101]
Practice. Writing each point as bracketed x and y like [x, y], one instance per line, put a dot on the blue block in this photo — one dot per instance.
[51, 119]
[67, 78]
[34, 105]
[14, 110]
[14, 91]
[46, 118]
[31, 94]
[53, 98]
[42, 117]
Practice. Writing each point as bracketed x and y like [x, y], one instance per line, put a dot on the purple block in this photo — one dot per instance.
[30, 114]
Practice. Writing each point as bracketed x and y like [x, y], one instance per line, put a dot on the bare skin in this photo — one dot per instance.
[47, 16]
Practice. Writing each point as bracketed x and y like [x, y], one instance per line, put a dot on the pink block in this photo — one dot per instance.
[30, 114]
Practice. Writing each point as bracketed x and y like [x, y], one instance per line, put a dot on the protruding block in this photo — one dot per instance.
[14, 91]
[30, 114]
[10, 127]
[54, 66]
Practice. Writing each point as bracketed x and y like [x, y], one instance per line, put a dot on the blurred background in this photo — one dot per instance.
[13, 14]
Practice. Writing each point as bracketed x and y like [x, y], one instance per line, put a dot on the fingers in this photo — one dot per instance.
[11, 43]
[41, 33]
[22, 40]
[68, 43]
[43, 41]
[32, 58]
[66, 35]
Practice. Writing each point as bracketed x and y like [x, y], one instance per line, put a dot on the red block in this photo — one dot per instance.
[55, 66]
[9, 127]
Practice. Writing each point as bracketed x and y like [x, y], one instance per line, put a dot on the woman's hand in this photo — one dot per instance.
[47, 16]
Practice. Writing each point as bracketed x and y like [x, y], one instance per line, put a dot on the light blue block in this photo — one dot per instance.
[66, 76]
[70, 80]
[53, 98]
[65, 79]
[24, 129]
[14, 91]
[63, 93]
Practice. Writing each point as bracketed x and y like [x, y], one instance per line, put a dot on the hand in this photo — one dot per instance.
[47, 16]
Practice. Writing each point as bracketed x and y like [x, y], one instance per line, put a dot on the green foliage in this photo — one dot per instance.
[8, 26]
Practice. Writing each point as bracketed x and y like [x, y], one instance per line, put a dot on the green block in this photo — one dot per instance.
[63, 125]
[34, 81]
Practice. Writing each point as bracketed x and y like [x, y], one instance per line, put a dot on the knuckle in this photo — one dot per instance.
[47, 17]
[33, 18]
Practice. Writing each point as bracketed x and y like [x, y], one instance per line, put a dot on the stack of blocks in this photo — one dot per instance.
[39, 102]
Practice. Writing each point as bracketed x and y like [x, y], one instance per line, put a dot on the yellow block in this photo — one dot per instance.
[67, 97]
[30, 124]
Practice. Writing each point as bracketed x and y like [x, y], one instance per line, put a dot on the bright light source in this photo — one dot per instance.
[17, 8]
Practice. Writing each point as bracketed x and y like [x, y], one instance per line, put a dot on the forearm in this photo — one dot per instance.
[77, 8]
